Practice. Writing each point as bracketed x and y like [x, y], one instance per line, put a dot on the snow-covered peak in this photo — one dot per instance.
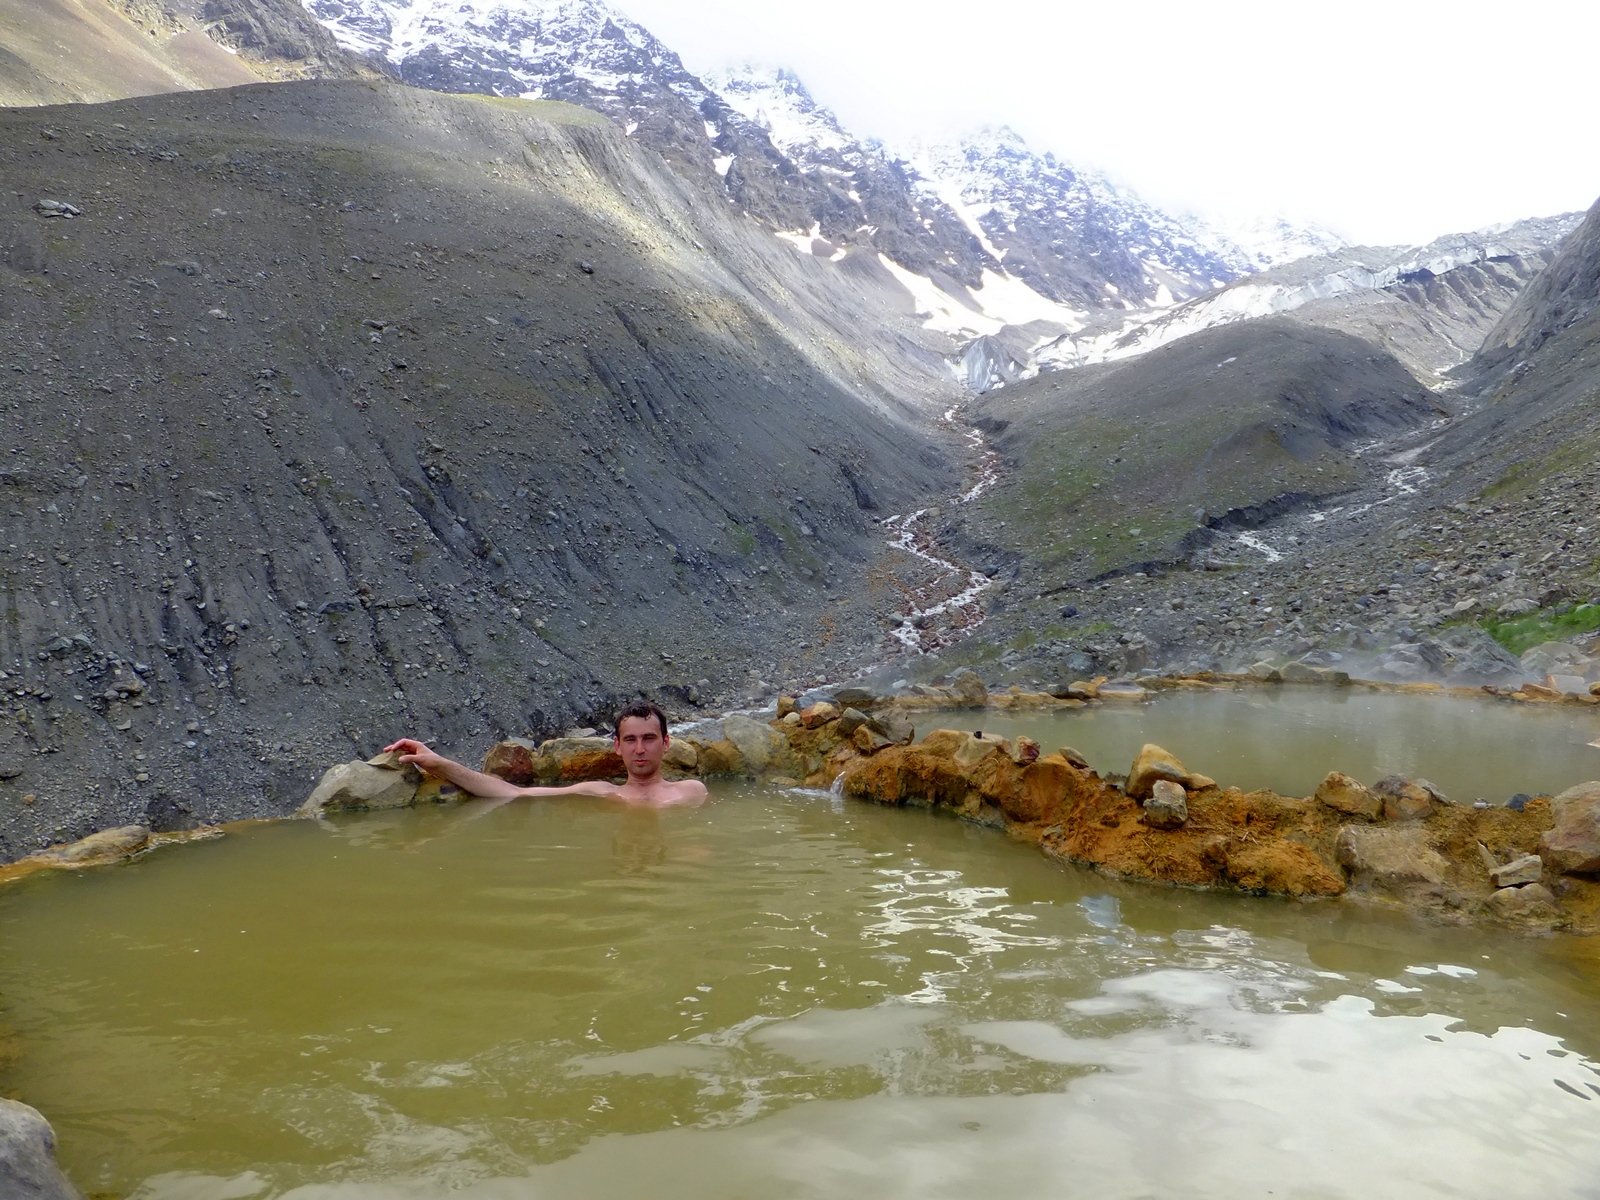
[507, 47]
[779, 103]
[1075, 235]
[1272, 241]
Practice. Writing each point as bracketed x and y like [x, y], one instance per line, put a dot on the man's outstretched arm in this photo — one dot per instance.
[479, 783]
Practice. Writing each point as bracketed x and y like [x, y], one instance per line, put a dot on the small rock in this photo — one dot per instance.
[850, 720]
[816, 715]
[1404, 799]
[1153, 764]
[1534, 904]
[1167, 807]
[57, 208]
[1344, 794]
[1527, 869]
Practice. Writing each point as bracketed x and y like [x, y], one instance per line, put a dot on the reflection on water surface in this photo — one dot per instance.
[767, 997]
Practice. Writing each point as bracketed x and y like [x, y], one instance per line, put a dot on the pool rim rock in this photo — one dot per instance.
[1159, 823]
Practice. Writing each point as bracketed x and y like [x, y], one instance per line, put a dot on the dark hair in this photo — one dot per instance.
[642, 708]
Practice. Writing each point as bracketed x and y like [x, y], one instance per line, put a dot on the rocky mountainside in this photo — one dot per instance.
[956, 216]
[1533, 390]
[84, 51]
[1430, 306]
[587, 53]
[112, 53]
[340, 410]
[1073, 235]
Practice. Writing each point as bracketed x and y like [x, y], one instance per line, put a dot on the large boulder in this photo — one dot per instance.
[28, 1168]
[1533, 906]
[682, 756]
[895, 726]
[969, 689]
[850, 720]
[1551, 658]
[109, 845]
[516, 760]
[1571, 845]
[1389, 858]
[854, 697]
[577, 759]
[361, 785]
[1124, 690]
[756, 741]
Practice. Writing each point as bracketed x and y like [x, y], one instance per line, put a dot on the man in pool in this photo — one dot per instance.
[640, 740]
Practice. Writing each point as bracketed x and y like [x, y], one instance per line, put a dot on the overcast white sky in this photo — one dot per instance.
[1387, 120]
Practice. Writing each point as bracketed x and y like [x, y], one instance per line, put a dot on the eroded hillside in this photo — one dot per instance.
[342, 410]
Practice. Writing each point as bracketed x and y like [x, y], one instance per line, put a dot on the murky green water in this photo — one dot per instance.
[1288, 738]
[773, 996]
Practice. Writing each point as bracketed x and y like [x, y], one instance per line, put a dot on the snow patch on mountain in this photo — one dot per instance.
[1267, 242]
[1305, 280]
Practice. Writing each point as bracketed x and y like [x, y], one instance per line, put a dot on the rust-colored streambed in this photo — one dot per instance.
[779, 994]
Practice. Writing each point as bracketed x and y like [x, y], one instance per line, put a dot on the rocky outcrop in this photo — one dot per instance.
[280, 31]
[28, 1168]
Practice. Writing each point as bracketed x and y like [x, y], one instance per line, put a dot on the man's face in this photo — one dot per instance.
[640, 744]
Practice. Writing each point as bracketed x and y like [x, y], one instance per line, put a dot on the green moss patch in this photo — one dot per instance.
[1519, 634]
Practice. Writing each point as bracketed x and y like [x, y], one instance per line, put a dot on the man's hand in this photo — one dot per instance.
[414, 752]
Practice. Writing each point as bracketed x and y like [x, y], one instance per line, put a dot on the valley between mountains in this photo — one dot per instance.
[339, 408]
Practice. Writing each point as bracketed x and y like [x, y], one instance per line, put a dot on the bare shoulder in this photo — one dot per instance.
[688, 791]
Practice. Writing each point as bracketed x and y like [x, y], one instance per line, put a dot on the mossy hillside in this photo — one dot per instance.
[1525, 476]
[1123, 464]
